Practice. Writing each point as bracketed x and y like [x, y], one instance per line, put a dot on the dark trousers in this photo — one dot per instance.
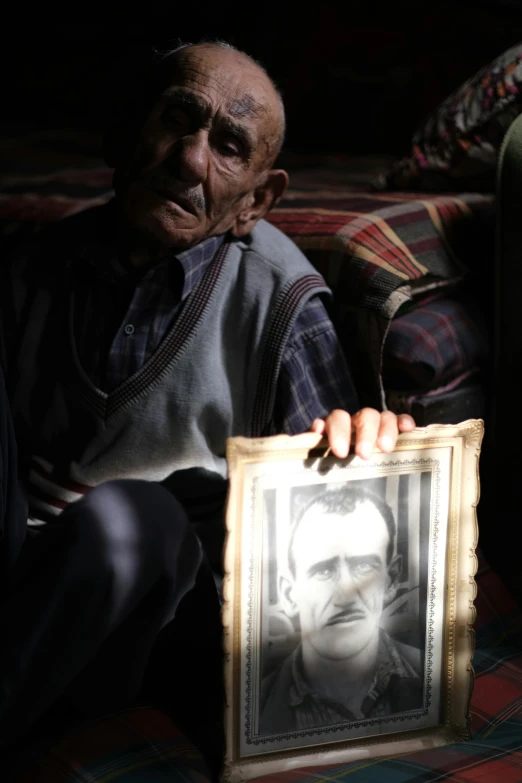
[109, 606]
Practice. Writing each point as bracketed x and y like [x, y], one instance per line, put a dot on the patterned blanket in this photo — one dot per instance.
[378, 252]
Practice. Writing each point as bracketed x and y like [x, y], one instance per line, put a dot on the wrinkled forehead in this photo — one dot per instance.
[228, 81]
[322, 535]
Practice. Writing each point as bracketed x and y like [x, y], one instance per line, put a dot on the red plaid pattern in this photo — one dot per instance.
[431, 345]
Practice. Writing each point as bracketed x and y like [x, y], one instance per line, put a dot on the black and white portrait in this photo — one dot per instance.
[348, 599]
[343, 602]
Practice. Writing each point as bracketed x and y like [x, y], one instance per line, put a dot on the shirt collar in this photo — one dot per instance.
[100, 248]
[195, 260]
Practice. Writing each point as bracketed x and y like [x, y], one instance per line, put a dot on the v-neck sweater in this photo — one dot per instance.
[213, 376]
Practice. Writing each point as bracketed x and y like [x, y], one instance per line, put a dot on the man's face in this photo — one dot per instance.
[341, 579]
[202, 151]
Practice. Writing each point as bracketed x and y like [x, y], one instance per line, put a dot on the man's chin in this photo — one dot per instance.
[339, 642]
[168, 228]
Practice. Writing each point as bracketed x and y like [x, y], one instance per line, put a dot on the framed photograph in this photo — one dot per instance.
[348, 598]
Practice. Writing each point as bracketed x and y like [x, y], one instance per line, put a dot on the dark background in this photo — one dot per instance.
[357, 76]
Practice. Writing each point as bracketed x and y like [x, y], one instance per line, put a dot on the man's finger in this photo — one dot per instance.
[406, 422]
[388, 431]
[338, 429]
[366, 424]
[318, 425]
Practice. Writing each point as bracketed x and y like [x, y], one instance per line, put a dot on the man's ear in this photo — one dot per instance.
[394, 573]
[264, 198]
[286, 586]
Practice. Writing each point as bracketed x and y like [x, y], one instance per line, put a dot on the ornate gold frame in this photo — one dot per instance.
[464, 441]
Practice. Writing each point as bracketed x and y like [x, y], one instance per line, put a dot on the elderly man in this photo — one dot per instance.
[136, 338]
[346, 667]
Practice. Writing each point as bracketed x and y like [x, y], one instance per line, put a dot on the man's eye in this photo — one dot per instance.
[364, 568]
[229, 146]
[324, 572]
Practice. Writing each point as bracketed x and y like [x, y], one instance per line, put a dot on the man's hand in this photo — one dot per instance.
[370, 427]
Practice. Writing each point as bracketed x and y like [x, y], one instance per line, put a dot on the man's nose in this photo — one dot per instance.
[345, 586]
[191, 153]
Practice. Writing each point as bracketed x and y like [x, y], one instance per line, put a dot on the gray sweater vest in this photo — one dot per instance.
[214, 376]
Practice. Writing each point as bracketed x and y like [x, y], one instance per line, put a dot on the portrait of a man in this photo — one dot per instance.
[342, 571]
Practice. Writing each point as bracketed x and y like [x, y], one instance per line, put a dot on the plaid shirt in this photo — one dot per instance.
[121, 318]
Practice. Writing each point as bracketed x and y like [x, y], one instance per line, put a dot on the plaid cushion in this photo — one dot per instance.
[439, 340]
[379, 252]
[391, 242]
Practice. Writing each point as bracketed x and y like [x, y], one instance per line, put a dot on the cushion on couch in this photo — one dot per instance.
[380, 251]
[434, 342]
[456, 147]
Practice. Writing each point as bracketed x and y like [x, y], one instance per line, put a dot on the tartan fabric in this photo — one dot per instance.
[132, 316]
[314, 378]
[390, 244]
[391, 239]
[438, 341]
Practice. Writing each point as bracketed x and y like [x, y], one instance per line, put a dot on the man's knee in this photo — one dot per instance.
[127, 527]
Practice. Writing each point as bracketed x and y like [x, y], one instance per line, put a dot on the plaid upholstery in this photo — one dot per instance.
[391, 239]
[427, 347]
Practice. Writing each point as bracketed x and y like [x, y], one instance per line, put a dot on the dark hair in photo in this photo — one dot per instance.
[343, 501]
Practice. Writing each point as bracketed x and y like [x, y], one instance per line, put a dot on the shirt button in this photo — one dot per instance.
[129, 329]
